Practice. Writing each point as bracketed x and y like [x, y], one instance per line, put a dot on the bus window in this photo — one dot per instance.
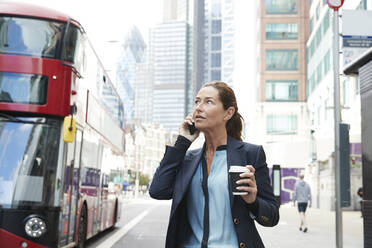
[72, 45]
[23, 88]
[27, 177]
[32, 37]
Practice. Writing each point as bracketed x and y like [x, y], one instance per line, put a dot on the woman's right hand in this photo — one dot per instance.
[184, 129]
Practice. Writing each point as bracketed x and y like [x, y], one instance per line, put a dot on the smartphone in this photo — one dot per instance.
[192, 128]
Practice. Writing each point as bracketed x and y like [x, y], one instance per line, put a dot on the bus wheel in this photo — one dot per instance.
[115, 215]
[82, 231]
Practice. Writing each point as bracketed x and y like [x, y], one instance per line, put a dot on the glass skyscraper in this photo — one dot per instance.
[133, 51]
[169, 59]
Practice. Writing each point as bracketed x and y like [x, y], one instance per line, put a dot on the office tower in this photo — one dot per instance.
[144, 93]
[281, 122]
[214, 33]
[132, 53]
[169, 59]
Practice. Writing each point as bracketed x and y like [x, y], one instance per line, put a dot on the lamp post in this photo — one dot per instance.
[335, 5]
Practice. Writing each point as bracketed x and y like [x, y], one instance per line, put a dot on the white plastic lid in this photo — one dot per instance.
[238, 168]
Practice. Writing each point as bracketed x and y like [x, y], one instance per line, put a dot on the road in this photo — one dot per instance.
[144, 223]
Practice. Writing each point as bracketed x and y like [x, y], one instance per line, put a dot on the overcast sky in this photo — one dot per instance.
[108, 20]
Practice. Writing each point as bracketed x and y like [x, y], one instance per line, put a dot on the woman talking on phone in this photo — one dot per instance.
[207, 209]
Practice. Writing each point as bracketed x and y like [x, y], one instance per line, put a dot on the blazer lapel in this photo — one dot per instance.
[188, 170]
[235, 156]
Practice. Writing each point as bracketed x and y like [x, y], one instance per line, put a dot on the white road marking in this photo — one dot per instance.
[122, 231]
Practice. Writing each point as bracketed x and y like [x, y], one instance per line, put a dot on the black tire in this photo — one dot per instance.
[115, 214]
[82, 230]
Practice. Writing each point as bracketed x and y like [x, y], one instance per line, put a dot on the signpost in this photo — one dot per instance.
[335, 5]
[356, 36]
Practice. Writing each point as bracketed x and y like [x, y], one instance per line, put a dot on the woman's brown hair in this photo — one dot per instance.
[234, 126]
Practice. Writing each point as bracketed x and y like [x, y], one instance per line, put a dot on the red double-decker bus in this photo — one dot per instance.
[61, 132]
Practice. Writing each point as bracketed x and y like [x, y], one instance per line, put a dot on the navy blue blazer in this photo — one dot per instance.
[172, 180]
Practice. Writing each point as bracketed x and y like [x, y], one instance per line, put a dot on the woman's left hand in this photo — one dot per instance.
[248, 178]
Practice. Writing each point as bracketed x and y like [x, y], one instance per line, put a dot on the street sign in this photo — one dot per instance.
[335, 4]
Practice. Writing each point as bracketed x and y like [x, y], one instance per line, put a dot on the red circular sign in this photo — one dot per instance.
[335, 4]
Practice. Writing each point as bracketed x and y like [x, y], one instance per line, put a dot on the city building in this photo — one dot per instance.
[169, 59]
[143, 93]
[281, 120]
[219, 31]
[320, 102]
[145, 146]
[214, 45]
[132, 53]
[171, 48]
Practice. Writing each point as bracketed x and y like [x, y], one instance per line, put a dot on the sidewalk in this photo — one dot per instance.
[321, 229]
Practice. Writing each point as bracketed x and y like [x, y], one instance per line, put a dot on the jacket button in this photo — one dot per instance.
[241, 245]
[236, 221]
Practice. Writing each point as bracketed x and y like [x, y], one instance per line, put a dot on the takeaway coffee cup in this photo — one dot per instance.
[234, 172]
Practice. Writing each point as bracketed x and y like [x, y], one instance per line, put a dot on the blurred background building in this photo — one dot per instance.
[132, 53]
[320, 106]
[281, 118]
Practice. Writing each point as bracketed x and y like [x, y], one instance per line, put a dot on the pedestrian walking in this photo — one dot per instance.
[205, 211]
[302, 194]
[360, 196]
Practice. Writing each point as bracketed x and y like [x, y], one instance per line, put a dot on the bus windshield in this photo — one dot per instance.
[28, 161]
[32, 37]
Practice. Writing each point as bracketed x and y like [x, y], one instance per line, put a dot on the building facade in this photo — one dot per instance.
[281, 122]
[132, 53]
[143, 93]
[320, 94]
[169, 59]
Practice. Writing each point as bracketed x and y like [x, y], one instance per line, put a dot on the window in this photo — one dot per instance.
[28, 170]
[215, 75]
[71, 47]
[312, 47]
[216, 60]
[33, 37]
[319, 73]
[325, 22]
[281, 6]
[317, 11]
[318, 37]
[281, 90]
[326, 106]
[311, 24]
[281, 60]
[281, 124]
[327, 62]
[23, 88]
[311, 84]
[281, 31]
[216, 26]
[216, 43]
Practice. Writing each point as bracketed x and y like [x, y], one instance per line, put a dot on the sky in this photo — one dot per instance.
[108, 20]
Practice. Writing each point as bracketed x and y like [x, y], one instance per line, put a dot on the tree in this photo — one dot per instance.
[143, 179]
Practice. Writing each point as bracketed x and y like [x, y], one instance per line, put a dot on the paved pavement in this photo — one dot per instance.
[150, 231]
[321, 229]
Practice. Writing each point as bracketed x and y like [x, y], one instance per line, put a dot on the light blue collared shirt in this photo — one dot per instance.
[221, 226]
